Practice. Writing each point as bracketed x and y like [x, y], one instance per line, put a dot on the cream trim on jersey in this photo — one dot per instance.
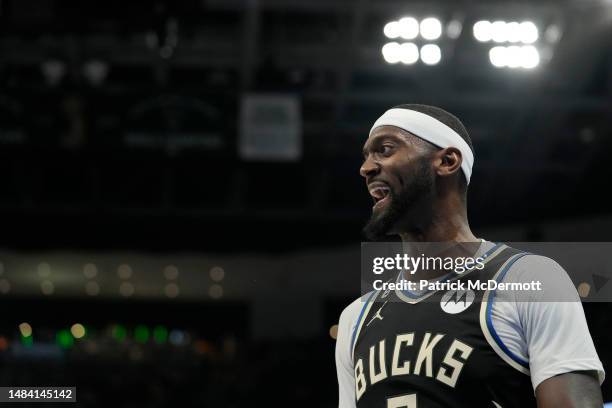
[363, 316]
[485, 329]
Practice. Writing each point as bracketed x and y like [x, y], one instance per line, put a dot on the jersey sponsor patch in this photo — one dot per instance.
[456, 301]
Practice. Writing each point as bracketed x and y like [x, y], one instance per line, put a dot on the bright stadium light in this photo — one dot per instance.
[392, 52]
[528, 32]
[482, 31]
[530, 57]
[506, 32]
[392, 29]
[408, 28]
[498, 56]
[499, 33]
[431, 54]
[514, 56]
[409, 53]
[513, 31]
[431, 28]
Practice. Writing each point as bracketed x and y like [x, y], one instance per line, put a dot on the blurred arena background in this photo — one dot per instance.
[180, 204]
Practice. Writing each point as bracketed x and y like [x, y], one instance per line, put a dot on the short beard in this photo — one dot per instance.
[380, 226]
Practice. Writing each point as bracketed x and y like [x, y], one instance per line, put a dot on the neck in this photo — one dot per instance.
[444, 225]
[447, 223]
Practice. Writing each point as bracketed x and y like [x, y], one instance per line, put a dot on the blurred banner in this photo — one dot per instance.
[270, 128]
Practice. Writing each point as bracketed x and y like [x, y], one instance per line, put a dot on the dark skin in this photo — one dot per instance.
[390, 155]
[570, 390]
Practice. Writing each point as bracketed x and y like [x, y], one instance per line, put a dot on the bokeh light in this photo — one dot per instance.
[77, 330]
[431, 54]
[431, 28]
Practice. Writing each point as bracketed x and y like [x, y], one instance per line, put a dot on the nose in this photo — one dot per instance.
[369, 167]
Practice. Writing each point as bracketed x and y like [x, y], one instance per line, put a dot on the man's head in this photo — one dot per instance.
[406, 173]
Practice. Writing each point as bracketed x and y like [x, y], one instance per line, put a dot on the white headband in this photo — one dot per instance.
[430, 129]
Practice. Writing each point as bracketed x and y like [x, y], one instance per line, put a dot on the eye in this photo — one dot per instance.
[386, 149]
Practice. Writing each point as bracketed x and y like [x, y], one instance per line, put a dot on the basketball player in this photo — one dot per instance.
[401, 349]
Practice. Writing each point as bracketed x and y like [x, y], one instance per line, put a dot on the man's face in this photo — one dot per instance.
[400, 179]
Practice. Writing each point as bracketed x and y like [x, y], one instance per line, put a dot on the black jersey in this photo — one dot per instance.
[419, 353]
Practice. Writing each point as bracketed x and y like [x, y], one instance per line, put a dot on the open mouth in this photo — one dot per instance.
[379, 192]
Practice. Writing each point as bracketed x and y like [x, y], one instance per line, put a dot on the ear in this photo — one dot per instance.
[449, 161]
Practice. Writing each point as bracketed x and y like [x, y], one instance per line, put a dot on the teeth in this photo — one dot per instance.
[379, 192]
